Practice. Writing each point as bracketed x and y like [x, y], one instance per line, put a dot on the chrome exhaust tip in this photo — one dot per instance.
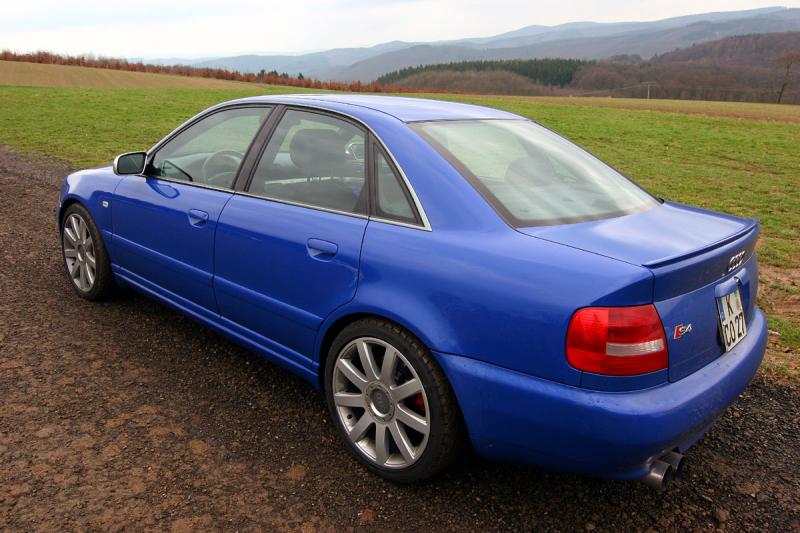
[659, 476]
[675, 460]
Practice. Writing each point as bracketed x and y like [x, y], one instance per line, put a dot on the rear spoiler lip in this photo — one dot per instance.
[753, 226]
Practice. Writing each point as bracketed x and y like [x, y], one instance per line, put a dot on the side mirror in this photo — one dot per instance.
[131, 163]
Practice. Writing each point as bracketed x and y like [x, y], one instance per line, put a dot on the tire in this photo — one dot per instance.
[388, 402]
[82, 244]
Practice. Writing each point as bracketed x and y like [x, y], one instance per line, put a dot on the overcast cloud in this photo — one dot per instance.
[197, 28]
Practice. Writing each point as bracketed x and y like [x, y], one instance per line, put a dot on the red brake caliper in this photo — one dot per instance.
[419, 403]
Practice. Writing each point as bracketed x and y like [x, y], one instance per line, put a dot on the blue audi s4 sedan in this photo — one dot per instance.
[448, 275]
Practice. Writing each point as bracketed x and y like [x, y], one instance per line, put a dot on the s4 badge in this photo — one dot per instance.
[681, 330]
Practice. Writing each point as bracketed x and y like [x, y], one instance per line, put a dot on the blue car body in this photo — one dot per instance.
[491, 302]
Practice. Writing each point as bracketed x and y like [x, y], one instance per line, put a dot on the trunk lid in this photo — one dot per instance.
[694, 255]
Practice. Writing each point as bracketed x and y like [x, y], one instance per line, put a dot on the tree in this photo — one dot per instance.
[786, 61]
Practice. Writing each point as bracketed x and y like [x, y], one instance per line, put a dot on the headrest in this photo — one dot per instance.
[530, 171]
[318, 152]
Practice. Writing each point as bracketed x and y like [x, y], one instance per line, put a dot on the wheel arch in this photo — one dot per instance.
[72, 200]
[336, 323]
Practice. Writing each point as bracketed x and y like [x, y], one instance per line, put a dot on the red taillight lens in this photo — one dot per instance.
[617, 341]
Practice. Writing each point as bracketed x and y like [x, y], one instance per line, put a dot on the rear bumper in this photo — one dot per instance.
[516, 417]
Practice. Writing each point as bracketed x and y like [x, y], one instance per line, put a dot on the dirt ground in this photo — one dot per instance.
[125, 415]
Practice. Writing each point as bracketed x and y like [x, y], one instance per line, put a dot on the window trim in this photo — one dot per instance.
[376, 150]
[301, 204]
[151, 153]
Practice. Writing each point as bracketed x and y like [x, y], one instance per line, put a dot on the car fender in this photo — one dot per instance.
[94, 189]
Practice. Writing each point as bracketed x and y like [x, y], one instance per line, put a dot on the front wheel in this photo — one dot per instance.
[85, 258]
[391, 403]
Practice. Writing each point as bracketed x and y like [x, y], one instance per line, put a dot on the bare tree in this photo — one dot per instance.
[786, 62]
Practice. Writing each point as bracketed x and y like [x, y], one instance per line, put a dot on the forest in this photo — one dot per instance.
[558, 72]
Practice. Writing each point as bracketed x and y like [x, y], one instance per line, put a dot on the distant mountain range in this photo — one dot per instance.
[579, 40]
[751, 68]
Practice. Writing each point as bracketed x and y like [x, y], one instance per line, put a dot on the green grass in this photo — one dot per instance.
[786, 289]
[789, 330]
[743, 166]
[90, 126]
[785, 362]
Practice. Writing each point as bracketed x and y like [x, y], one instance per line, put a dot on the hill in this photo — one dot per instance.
[739, 68]
[645, 42]
[313, 63]
[579, 40]
[743, 68]
[754, 50]
[41, 75]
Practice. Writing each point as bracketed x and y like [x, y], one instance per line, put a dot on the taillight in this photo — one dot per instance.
[617, 341]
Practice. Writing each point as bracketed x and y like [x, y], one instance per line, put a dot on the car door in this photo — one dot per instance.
[164, 221]
[288, 247]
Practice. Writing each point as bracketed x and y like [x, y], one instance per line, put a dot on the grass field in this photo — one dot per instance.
[784, 113]
[36, 75]
[742, 159]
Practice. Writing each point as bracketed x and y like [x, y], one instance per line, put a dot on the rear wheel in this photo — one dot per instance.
[391, 403]
[85, 258]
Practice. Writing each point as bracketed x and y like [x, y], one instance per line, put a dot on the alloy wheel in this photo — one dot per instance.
[381, 403]
[79, 252]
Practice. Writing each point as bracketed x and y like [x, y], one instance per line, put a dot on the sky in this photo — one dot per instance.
[204, 28]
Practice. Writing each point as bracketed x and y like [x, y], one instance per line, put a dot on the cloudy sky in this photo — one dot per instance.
[198, 28]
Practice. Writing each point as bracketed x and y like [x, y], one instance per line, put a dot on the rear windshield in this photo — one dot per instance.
[532, 176]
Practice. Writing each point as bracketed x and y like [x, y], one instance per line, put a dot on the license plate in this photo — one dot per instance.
[731, 319]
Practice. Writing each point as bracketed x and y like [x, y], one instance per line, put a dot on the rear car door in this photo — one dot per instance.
[288, 247]
[165, 220]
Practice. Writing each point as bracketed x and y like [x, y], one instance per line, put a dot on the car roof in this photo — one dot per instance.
[403, 108]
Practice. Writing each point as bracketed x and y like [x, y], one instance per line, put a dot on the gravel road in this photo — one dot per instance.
[125, 415]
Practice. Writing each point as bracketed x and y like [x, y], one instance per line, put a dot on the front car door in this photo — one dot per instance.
[287, 249]
[164, 222]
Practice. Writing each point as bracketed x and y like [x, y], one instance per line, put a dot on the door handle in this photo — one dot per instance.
[322, 250]
[197, 217]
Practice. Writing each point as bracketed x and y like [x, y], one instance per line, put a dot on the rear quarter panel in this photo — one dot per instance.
[500, 297]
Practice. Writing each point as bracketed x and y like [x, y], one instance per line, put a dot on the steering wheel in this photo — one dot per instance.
[222, 162]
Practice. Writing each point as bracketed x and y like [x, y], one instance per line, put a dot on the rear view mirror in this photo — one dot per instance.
[130, 163]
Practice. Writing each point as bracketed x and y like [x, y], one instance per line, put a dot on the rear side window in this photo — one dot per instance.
[392, 200]
[315, 160]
